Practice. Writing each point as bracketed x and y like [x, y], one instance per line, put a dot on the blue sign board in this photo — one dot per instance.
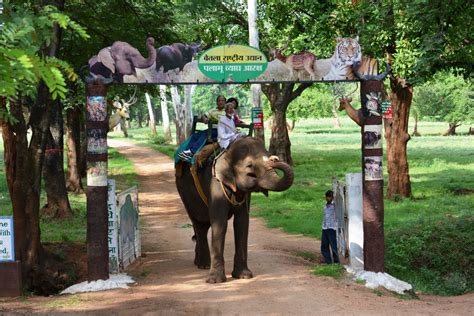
[7, 245]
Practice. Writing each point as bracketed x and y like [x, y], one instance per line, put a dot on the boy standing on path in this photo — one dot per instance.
[329, 237]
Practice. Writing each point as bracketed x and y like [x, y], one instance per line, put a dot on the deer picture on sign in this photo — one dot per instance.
[300, 61]
[122, 113]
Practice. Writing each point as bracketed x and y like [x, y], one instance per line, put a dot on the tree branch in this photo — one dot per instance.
[296, 93]
[237, 17]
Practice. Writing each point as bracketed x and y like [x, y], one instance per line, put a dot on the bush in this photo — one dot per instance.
[156, 139]
[435, 255]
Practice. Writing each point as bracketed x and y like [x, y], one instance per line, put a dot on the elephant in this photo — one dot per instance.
[175, 56]
[121, 59]
[226, 185]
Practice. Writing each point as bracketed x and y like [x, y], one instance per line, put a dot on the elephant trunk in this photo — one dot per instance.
[151, 59]
[272, 181]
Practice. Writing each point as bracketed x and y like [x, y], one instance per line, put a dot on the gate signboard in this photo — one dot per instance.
[229, 63]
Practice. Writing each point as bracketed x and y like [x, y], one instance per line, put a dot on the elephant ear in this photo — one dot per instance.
[223, 172]
[105, 57]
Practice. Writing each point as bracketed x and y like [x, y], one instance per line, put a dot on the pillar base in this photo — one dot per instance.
[10, 279]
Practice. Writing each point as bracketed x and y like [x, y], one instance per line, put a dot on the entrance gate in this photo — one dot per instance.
[232, 64]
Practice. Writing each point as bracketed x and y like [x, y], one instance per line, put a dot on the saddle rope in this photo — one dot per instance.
[198, 186]
[232, 200]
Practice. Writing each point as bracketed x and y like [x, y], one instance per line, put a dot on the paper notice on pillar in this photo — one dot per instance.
[7, 248]
[97, 174]
[373, 168]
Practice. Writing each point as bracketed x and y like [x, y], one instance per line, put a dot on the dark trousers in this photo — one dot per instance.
[197, 140]
[329, 238]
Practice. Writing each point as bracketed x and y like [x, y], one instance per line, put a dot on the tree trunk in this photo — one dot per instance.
[451, 130]
[164, 113]
[179, 114]
[337, 120]
[397, 137]
[73, 132]
[39, 122]
[280, 96]
[140, 121]
[254, 42]
[16, 168]
[188, 108]
[57, 205]
[415, 129]
[152, 123]
[280, 144]
[291, 126]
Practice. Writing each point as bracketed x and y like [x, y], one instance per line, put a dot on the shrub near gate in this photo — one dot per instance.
[436, 254]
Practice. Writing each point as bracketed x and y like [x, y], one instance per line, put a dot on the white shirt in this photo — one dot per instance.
[226, 132]
[329, 220]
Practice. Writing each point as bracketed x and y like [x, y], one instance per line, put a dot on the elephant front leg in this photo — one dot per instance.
[241, 233]
[219, 229]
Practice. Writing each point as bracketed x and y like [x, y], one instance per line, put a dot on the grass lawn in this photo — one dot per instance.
[441, 169]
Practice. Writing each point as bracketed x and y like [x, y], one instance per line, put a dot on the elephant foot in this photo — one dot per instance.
[202, 264]
[216, 277]
[242, 274]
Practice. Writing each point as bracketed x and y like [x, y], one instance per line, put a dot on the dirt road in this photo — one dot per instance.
[169, 284]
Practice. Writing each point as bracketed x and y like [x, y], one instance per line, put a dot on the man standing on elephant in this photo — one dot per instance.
[329, 236]
[226, 131]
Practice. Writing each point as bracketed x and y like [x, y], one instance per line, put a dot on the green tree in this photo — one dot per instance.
[446, 97]
[418, 38]
[30, 71]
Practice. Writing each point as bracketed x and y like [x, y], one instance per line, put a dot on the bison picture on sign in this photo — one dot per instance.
[372, 136]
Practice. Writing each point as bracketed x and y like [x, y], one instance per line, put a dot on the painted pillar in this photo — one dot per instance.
[97, 219]
[372, 157]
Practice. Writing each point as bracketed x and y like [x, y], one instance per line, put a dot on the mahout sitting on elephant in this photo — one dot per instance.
[221, 189]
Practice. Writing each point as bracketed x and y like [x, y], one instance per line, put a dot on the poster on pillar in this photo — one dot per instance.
[96, 141]
[97, 173]
[190, 63]
[373, 168]
[372, 138]
[373, 104]
[96, 108]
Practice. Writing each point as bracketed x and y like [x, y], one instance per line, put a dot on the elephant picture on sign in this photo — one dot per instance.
[226, 186]
[121, 59]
